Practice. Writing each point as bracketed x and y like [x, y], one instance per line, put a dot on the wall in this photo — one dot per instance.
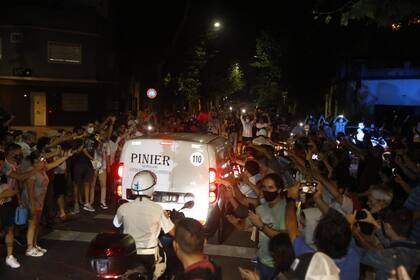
[396, 92]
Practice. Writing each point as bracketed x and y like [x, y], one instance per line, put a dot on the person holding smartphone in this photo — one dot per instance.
[269, 219]
[393, 234]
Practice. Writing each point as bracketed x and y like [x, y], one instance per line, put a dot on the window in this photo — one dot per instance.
[16, 37]
[64, 53]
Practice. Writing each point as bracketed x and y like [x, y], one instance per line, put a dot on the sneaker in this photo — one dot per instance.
[88, 207]
[42, 250]
[104, 206]
[33, 252]
[12, 262]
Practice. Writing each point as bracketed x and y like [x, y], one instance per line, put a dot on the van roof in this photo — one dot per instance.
[184, 136]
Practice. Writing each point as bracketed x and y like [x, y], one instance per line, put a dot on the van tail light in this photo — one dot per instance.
[212, 175]
[119, 191]
[120, 170]
[212, 186]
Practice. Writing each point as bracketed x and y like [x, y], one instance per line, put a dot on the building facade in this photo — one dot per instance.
[57, 65]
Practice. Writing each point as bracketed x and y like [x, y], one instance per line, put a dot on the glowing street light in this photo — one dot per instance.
[217, 25]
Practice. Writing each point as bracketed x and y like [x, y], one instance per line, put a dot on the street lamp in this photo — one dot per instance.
[217, 25]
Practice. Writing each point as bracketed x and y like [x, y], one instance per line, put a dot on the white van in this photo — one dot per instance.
[186, 166]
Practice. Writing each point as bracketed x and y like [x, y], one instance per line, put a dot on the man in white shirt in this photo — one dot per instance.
[144, 219]
[247, 126]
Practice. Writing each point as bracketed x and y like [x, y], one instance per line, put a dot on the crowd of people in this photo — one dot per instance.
[325, 190]
[318, 200]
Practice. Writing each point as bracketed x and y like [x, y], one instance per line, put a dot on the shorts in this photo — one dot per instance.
[60, 184]
[82, 172]
[7, 215]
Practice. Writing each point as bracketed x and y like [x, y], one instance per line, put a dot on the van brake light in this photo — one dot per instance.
[119, 191]
[212, 175]
[120, 170]
[212, 185]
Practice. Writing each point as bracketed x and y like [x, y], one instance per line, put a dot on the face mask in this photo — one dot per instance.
[270, 196]
[90, 130]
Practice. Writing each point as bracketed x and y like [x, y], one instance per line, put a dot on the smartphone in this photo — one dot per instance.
[42, 159]
[309, 187]
[361, 215]
[315, 156]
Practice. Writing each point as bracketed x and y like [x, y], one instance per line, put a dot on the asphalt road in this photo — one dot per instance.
[67, 244]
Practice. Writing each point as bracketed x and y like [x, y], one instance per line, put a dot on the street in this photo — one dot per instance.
[67, 244]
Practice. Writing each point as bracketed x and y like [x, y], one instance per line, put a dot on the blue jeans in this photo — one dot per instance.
[265, 272]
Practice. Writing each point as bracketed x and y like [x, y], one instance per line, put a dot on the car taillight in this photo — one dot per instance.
[212, 197]
[212, 175]
[212, 186]
[119, 190]
[120, 170]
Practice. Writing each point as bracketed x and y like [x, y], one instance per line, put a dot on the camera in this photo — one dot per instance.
[361, 215]
[309, 187]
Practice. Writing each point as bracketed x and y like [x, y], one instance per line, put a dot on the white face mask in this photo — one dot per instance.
[90, 130]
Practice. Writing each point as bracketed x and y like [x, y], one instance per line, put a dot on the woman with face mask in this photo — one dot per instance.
[33, 197]
[269, 220]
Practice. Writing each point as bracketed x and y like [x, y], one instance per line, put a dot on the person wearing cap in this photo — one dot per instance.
[144, 219]
[311, 266]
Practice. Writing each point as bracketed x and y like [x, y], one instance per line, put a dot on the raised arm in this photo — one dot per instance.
[358, 152]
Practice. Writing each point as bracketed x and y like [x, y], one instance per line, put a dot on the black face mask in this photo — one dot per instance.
[270, 196]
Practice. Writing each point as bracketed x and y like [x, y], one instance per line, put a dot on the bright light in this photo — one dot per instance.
[25, 95]
[120, 170]
[230, 108]
[217, 24]
[149, 127]
[291, 134]
[301, 124]
[243, 111]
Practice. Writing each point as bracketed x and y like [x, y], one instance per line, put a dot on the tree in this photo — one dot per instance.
[384, 13]
[266, 86]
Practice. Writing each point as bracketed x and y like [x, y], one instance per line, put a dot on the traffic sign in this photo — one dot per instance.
[151, 93]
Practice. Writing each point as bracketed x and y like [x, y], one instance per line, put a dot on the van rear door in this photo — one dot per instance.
[191, 177]
[155, 155]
